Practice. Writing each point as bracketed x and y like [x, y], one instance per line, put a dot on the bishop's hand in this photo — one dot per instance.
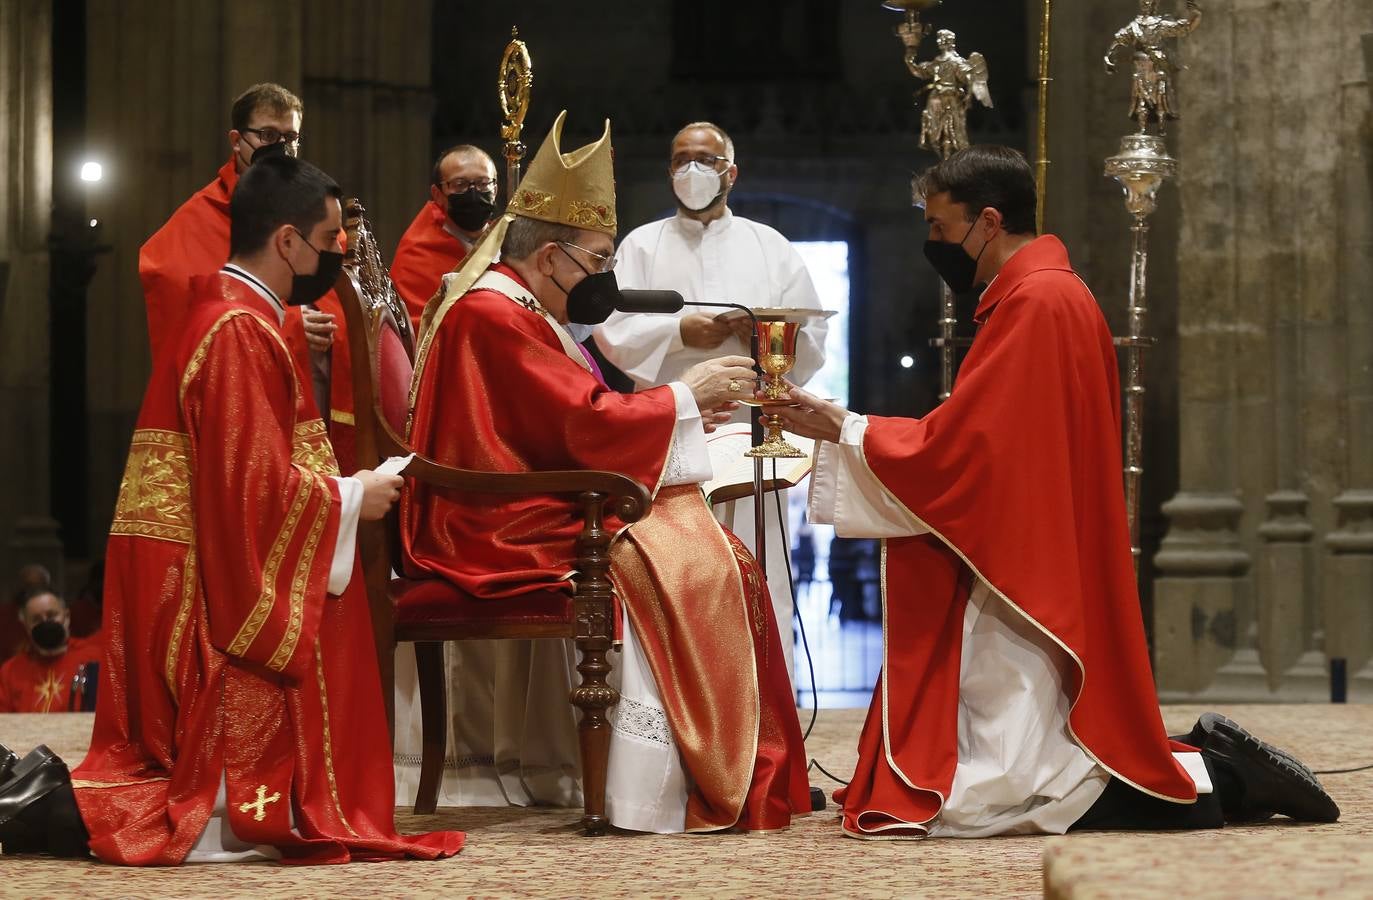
[811, 417]
[716, 382]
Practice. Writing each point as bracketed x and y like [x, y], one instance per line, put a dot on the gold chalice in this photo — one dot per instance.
[776, 356]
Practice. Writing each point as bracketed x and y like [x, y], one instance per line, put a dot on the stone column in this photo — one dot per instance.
[1348, 572]
[1201, 597]
[369, 105]
[28, 533]
[1274, 367]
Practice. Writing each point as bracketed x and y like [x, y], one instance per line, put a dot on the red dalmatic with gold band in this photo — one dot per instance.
[1017, 477]
[194, 242]
[500, 386]
[225, 657]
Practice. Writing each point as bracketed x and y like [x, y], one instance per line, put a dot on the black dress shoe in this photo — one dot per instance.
[1266, 781]
[1207, 724]
[7, 761]
[31, 761]
[38, 812]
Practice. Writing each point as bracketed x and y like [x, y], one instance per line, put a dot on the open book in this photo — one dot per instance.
[734, 471]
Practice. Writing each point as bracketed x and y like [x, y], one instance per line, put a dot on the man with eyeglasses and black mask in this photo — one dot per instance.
[265, 121]
[39, 678]
[1016, 693]
[705, 736]
[709, 254]
[462, 199]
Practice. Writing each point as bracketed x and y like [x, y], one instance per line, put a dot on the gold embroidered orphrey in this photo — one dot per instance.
[310, 448]
[155, 495]
[260, 804]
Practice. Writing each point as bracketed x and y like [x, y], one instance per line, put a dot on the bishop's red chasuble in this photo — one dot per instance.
[195, 241]
[1018, 478]
[30, 683]
[499, 388]
[425, 254]
[225, 657]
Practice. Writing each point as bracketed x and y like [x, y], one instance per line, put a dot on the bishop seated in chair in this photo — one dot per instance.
[705, 734]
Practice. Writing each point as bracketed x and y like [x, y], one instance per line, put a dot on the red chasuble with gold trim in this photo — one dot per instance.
[498, 390]
[225, 657]
[195, 241]
[425, 254]
[1018, 477]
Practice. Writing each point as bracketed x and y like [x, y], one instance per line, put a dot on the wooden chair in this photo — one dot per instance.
[433, 611]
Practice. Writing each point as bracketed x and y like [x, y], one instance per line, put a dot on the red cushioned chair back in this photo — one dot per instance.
[394, 369]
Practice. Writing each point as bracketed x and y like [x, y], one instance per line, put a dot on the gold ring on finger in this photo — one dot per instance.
[734, 386]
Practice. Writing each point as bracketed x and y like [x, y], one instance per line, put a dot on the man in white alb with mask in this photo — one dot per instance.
[711, 255]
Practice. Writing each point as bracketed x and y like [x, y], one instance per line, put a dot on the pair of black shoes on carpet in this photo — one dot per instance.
[38, 812]
[1255, 780]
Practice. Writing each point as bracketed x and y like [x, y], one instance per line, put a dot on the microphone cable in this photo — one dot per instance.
[801, 624]
[1341, 771]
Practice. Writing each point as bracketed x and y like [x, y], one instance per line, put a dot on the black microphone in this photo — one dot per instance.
[645, 301]
[637, 301]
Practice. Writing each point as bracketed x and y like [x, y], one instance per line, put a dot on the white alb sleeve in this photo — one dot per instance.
[844, 492]
[688, 461]
[350, 503]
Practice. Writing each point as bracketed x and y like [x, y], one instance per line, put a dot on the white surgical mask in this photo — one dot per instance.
[696, 185]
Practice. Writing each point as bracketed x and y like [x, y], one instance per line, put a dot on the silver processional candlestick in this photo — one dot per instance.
[1141, 167]
[954, 82]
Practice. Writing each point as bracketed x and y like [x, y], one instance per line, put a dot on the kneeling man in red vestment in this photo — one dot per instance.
[705, 735]
[1016, 694]
[240, 713]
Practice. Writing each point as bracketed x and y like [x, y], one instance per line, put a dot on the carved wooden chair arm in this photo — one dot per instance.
[633, 498]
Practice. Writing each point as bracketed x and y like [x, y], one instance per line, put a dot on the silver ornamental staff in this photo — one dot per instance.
[1141, 168]
[954, 82]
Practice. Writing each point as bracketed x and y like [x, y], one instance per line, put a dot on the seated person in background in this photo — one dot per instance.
[705, 735]
[13, 637]
[40, 678]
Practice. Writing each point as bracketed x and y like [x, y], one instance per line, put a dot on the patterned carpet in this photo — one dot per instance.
[538, 853]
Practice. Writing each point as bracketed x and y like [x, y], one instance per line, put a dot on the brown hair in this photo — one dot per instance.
[272, 97]
[986, 175]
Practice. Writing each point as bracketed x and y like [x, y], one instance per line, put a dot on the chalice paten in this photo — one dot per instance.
[776, 357]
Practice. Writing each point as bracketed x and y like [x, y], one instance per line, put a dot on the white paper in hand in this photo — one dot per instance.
[394, 465]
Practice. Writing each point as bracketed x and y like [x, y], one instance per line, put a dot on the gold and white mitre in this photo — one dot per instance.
[576, 188]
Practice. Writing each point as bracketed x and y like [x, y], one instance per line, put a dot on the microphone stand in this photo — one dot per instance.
[759, 531]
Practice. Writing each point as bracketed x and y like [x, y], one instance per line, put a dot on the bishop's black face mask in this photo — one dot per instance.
[953, 263]
[594, 298]
[307, 287]
[471, 209]
[49, 634]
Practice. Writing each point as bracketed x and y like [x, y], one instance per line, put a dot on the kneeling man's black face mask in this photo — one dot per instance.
[953, 263]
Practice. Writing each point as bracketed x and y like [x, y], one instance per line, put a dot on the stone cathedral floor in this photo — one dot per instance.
[515, 852]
